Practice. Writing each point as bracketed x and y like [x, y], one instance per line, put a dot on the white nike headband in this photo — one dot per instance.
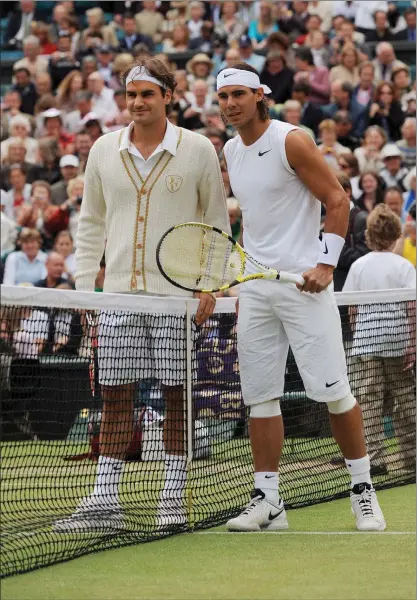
[142, 74]
[239, 77]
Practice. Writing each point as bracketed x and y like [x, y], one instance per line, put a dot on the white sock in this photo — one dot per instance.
[359, 469]
[267, 482]
[109, 472]
[175, 476]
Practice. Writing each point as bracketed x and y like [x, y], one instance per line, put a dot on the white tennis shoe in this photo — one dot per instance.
[366, 508]
[171, 513]
[93, 513]
[260, 515]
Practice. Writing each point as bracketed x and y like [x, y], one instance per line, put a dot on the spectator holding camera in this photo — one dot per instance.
[386, 111]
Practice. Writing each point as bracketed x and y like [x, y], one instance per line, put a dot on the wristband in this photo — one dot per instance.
[333, 245]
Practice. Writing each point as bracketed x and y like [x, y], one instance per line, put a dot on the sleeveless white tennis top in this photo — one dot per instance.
[281, 218]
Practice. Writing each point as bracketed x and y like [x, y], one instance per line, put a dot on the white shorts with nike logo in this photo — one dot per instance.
[274, 316]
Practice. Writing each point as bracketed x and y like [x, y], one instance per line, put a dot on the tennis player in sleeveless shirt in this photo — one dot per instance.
[279, 179]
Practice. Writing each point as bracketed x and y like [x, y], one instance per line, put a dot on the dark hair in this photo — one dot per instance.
[347, 87]
[393, 188]
[305, 54]
[157, 69]
[352, 162]
[120, 92]
[19, 69]
[302, 86]
[263, 106]
[410, 11]
[128, 15]
[379, 194]
[342, 116]
[277, 37]
[344, 181]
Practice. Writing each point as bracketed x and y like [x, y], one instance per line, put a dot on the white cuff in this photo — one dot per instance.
[333, 245]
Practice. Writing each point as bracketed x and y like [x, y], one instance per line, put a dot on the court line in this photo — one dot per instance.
[304, 532]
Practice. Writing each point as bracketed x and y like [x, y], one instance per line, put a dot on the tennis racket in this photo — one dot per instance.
[202, 258]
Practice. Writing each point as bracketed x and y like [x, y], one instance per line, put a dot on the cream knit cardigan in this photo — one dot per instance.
[127, 216]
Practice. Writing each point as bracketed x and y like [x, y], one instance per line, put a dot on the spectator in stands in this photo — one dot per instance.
[231, 58]
[410, 18]
[102, 101]
[345, 33]
[19, 23]
[317, 77]
[401, 79]
[349, 166]
[355, 243]
[104, 56]
[348, 70]
[93, 124]
[321, 54]
[62, 62]
[200, 100]
[131, 37]
[369, 154]
[11, 106]
[364, 91]
[59, 23]
[26, 89]
[15, 154]
[42, 32]
[43, 84]
[149, 22]
[278, 77]
[216, 137]
[343, 99]
[372, 187]
[83, 145]
[53, 127]
[393, 173]
[96, 33]
[28, 264]
[344, 126]
[247, 54]
[200, 68]
[20, 127]
[19, 191]
[382, 31]
[120, 63]
[263, 26]
[195, 22]
[385, 62]
[88, 66]
[410, 193]
[47, 167]
[329, 147]
[69, 165]
[291, 113]
[179, 40]
[393, 198]
[386, 111]
[407, 144]
[73, 203]
[293, 23]
[68, 89]
[385, 365]
[64, 245]
[406, 244]
[230, 25]
[311, 115]
[32, 60]
[83, 106]
[204, 43]
[55, 268]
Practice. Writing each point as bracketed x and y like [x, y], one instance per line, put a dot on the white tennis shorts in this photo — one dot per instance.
[274, 316]
[132, 347]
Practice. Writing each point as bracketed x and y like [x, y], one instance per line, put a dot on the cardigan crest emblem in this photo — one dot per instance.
[173, 182]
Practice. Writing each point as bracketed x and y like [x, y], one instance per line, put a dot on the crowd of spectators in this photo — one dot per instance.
[331, 66]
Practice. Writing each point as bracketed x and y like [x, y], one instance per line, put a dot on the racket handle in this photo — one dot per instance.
[286, 277]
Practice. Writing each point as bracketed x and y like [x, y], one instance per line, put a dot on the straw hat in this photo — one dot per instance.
[199, 58]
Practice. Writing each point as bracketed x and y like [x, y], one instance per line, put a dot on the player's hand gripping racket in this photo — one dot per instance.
[202, 258]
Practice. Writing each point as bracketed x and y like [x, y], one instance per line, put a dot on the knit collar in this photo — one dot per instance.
[170, 141]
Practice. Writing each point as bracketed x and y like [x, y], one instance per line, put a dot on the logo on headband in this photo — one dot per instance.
[173, 183]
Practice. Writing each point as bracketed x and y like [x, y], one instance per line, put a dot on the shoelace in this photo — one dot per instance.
[365, 503]
[252, 504]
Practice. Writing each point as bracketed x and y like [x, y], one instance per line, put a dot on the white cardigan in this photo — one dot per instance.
[128, 216]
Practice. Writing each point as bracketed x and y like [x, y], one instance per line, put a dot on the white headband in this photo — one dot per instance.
[239, 77]
[142, 74]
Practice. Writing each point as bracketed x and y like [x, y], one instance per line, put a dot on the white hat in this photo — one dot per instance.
[51, 112]
[390, 150]
[91, 116]
[69, 160]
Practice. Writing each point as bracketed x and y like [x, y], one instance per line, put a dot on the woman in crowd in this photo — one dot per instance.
[386, 111]
[20, 127]
[178, 42]
[261, 28]
[369, 154]
[348, 70]
[278, 77]
[400, 77]
[19, 192]
[64, 245]
[230, 26]
[372, 187]
[348, 164]
[70, 85]
[364, 91]
[28, 264]
[120, 63]
[96, 32]
[330, 147]
[41, 30]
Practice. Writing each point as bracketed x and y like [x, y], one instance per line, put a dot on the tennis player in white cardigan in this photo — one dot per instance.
[139, 182]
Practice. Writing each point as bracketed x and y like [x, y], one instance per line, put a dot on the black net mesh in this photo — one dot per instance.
[182, 427]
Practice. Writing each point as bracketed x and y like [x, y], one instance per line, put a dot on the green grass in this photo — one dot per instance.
[203, 566]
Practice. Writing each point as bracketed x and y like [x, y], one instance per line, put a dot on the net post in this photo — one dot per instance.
[188, 417]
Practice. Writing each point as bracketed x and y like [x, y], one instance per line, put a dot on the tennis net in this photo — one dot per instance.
[53, 373]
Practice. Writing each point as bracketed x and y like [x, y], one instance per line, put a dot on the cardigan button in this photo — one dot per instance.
[141, 219]
[138, 273]
[144, 191]
[140, 246]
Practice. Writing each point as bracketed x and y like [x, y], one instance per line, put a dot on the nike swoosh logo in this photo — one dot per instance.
[230, 74]
[326, 251]
[269, 476]
[266, 152]
[271, 517]
[332, 384]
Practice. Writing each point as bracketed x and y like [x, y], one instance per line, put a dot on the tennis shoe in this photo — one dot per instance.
[171, 513]
[260, 515]
[366, 508]
[93, 513]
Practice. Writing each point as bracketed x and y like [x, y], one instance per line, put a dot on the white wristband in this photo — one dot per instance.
[333, 245]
